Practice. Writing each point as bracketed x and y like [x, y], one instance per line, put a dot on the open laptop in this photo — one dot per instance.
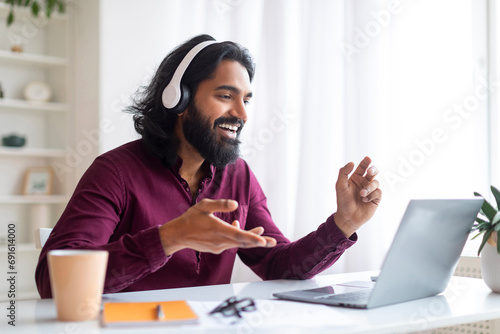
[419, 264]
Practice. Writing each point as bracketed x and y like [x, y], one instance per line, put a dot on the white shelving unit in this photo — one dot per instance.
[23, 199]
[33, 106]
[19, 58]
[32, 152]
[46, 56]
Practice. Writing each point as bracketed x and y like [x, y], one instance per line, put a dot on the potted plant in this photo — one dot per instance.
[488, 224]
[35, 6]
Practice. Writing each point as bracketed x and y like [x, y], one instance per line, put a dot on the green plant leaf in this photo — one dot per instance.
[477, 235]
[35, 8]
[482, 227]
[481, 224]
[61, 6]
[485, 240]
[498, 242]
[482, 221]
[49, 7]
[496, 194]
[10, 17]
[488, 210]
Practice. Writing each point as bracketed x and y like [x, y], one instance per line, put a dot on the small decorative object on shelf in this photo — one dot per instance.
[16, 48]
[37, 91]
[38, 181]
[1, 91]
[13, 140]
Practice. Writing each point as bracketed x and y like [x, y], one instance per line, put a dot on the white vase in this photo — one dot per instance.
[490, 267]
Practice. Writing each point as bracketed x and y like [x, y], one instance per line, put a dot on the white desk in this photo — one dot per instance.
[465, 300]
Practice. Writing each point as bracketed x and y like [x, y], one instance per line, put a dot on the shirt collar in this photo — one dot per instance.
[178, 163]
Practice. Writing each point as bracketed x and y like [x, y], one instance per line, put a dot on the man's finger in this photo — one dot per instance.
[374, 197]
[271, 242]
[219, 205]
[257, 230]
[241, 237]
[363, 166]
[371, 173]
[371, 187]
[344, 174]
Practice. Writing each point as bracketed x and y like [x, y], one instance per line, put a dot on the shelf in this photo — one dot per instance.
[27, 295]
[34, 199]
[22, 58]
[22, 247]
[34, 106]
[32, 152]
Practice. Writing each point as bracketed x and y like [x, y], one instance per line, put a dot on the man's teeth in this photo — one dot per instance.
[229, 127]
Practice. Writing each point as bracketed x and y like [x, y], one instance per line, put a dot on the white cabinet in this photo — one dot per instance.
[46, 56]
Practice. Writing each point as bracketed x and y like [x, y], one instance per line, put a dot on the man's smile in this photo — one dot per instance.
[229, 127]
[229, 130]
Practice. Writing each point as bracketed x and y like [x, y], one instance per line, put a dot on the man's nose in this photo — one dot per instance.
[239, 110]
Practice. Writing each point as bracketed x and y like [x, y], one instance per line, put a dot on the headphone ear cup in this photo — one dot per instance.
[183, 101]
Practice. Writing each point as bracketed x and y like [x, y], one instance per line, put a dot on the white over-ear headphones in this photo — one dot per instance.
[175, 96]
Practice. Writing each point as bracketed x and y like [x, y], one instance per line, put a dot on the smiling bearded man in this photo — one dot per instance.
[176, 207]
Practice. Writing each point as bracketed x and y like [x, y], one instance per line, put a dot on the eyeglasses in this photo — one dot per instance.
[233, 307]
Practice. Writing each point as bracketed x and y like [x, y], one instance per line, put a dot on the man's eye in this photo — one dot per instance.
[246, 102]
[225, 97]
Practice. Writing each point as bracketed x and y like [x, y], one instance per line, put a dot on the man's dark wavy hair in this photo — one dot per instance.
[151, 119]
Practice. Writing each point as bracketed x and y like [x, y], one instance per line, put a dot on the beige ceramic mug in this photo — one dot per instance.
[77, 282]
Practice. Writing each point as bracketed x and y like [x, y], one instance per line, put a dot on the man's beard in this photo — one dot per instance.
[200, 133]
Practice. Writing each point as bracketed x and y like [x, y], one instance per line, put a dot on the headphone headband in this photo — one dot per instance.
[172, 94]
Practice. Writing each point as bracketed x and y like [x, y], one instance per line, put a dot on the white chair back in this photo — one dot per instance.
[41, 236]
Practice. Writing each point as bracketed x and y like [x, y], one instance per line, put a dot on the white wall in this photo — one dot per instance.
[86, 121]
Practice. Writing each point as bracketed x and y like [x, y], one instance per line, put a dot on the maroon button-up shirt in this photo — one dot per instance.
[127, 193]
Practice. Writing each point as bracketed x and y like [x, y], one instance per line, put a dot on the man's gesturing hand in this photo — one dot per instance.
[358, 196]
[200, 230]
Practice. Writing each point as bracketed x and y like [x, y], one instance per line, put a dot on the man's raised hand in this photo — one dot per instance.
[358, 196]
